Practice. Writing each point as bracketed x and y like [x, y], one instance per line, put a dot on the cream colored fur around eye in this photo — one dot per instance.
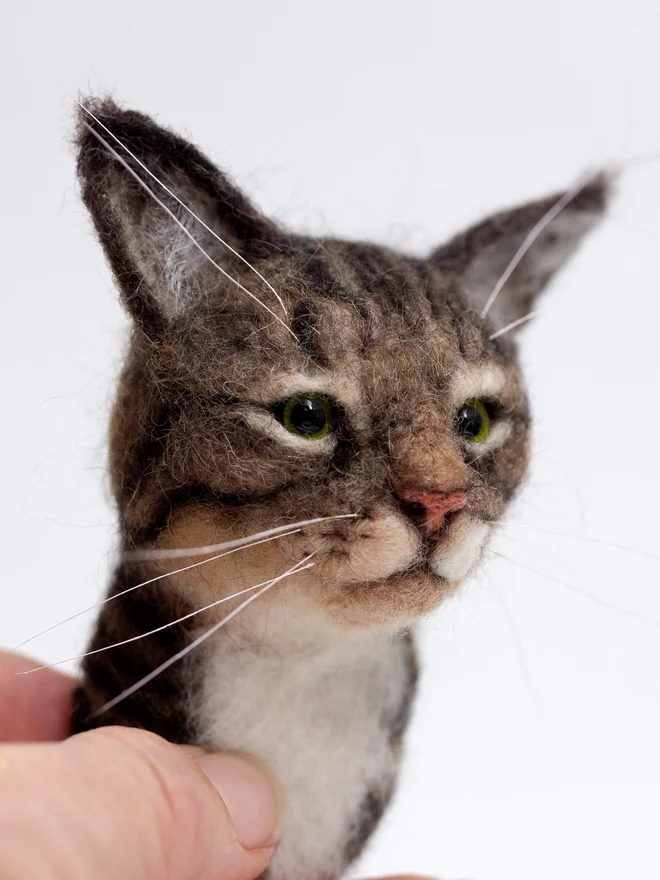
[267, 424]
[310, 676]
[337, 387]
[486, 380]
[499, 433]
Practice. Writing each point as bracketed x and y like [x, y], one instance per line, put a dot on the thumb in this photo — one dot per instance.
[123, 804]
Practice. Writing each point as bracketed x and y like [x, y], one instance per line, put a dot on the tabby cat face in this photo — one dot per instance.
[376, 391]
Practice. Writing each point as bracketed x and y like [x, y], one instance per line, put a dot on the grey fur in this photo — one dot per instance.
[197, 453]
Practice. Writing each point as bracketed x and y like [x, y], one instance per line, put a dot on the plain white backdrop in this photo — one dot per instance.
[535, 748]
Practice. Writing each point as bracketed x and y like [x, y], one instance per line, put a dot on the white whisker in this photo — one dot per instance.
[641, 159]
[534, 233]
[244, 545]
[580, 592]
[181, 226]
[515, 635]
[198, 641]
[157, 629]
[587, 538]
[514, 324]
[182, 203]
[140, 555]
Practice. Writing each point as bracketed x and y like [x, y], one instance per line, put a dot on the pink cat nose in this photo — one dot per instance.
[436, 506]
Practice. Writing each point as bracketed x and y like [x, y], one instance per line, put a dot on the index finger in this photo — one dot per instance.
[33, 708]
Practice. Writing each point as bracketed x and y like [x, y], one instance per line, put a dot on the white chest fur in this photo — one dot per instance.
[322, 721]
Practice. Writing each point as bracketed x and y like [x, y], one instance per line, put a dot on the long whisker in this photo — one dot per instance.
[587, 538]
[198, 641]
[158, 629]
[514, 324]
[244, 545]
[515, 635]
[181, 226]
[141, 555]
[534, 233]
[181, 202]
[584, 593]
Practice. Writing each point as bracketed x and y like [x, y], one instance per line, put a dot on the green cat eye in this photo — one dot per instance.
[472, 421]
[308, 415]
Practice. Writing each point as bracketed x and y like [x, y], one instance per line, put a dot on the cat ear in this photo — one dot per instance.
[137, 180]
[476, 260]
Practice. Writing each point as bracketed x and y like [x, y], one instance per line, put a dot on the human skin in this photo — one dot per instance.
[119, 803]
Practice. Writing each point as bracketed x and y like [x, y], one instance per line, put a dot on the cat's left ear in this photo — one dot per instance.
[475, 260]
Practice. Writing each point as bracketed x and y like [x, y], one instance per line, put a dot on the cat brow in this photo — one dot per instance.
[476, 380]
[181, 226]
[182, 203]
[299, 566]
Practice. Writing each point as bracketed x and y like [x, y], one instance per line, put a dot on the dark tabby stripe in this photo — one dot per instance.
[387, 278]
[396, 724]
[158, 706]
[212, 339]
[368, 815]
[305, 324]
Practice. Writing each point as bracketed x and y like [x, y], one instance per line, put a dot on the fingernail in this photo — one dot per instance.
[254, 799]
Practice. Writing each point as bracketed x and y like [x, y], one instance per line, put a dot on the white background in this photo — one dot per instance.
[535, 749]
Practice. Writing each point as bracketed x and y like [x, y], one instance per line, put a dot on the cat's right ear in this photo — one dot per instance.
[137, 181]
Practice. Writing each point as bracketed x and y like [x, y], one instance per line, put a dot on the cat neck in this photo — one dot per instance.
[288, 623]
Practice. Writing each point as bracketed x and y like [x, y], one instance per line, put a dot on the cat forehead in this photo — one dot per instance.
[359, 352]
[362, 319]
[413, 321]
[357, 294]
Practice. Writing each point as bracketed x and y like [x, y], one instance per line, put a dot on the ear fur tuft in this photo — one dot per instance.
[160, 272]
[476, 259]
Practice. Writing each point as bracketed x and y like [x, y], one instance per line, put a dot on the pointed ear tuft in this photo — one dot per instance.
[141, 184]
[476, 260]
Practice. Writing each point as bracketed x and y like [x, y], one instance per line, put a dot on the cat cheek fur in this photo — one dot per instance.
[378, 547]
[316, 677]
[461, 550]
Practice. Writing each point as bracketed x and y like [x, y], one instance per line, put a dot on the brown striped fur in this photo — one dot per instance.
[392, 333]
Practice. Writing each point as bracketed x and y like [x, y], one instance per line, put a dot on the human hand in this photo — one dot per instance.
[118, 803]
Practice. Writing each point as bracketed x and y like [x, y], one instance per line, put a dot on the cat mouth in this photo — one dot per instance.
[431, 542]
[386, 547]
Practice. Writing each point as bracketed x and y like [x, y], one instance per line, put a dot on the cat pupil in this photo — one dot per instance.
[469, 421]
[308, 416]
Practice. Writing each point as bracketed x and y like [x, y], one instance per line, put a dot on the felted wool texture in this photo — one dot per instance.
[318, 676]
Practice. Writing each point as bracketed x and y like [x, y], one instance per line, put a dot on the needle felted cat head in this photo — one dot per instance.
[272, 378]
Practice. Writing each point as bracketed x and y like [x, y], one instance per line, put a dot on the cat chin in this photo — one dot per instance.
[389, 583]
